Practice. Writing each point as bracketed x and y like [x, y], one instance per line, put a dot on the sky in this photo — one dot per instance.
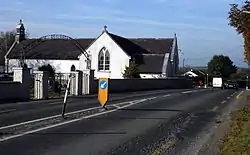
[201, 26]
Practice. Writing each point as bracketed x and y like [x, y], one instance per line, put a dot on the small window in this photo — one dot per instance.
[73, 68]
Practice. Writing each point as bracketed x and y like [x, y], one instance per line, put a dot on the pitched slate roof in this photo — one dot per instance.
[143, 45]
[150, 50]
[151, 63]
[65, 49]
[56, 49]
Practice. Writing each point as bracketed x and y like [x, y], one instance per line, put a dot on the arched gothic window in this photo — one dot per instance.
[104, 60]
[73, 68]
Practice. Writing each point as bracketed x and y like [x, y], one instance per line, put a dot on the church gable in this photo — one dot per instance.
[149, 52]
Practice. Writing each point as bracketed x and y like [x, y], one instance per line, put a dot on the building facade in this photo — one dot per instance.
[109, 55]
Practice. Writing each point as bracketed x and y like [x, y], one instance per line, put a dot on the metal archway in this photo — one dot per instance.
[27, 48]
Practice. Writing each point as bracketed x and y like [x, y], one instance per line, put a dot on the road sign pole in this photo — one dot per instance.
[65, 98]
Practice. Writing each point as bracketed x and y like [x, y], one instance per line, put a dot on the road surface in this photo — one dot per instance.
[17, 113]
[167, 124]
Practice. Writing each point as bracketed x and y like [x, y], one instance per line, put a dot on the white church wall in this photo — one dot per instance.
[61, 66]
[118, 58]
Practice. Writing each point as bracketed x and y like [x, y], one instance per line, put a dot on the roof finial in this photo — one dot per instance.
[21, 21]
[175, 35]
[105, 28]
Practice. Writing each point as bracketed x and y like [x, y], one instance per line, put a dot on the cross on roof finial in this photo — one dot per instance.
[105, 28]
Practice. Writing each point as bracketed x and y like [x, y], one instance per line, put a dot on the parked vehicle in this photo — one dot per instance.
[217, 82]
[231, 85]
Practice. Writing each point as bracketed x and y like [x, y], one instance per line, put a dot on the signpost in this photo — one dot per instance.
[103, 91]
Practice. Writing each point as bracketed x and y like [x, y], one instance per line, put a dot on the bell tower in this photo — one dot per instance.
[20, 32]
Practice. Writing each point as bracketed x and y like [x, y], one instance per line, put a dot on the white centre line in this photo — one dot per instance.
[185, 92]
[228, 97]
[167, 95]
[223, 102]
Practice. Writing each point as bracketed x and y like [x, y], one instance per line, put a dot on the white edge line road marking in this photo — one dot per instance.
[215, 108]
[151, 98]
[223, 101]
[116, 106]
[63, 123]
[45, 118]
[55, 116]
[8, 110]
[238, 96]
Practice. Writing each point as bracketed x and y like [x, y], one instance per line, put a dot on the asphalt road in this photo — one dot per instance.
[162, 125]
[20, 112]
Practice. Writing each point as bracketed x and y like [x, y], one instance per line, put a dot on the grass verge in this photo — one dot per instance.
[237, 140]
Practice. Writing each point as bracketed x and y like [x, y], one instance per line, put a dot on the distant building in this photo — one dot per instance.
[194, 73]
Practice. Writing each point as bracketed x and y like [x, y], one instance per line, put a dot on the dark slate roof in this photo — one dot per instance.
[62, 49]
[134, 46]
[150, 63]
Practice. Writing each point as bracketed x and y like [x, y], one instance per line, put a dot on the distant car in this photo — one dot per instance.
[231, 85]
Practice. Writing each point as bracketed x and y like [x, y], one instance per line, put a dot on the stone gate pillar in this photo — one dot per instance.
[89, 84]
[22, 75]
[41, 85]
[76, 83]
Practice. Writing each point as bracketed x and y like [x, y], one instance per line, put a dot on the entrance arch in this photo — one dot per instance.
[26, 49]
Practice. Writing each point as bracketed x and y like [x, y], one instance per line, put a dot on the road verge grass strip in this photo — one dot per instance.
[237, 140]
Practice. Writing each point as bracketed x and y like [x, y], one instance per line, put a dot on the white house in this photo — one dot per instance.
[194, 73]
[109, 54]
